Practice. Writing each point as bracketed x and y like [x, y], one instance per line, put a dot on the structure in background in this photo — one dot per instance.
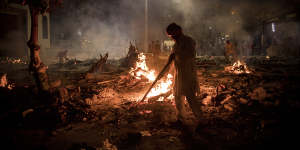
[15, 30]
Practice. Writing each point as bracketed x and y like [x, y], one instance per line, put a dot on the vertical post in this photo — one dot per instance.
[262, 38]
[146, 27]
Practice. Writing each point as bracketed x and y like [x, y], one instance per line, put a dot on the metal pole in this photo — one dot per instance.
[146, 27]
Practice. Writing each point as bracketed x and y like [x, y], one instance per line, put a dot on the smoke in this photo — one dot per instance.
[101, 26]
[109, 26]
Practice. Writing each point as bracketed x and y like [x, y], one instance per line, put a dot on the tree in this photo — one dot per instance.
[36, 66]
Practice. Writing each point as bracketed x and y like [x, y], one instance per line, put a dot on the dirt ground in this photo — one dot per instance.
[258, 110]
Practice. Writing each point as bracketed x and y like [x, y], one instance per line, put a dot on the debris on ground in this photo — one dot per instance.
[101, 110]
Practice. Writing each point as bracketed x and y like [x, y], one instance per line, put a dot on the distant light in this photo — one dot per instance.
[210, 27]
[232, 12]
[273, 27]
[169, 43]
[79, 33]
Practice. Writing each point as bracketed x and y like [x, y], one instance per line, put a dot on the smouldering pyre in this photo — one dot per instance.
[163, 87]
[12, 60]
[238, 67]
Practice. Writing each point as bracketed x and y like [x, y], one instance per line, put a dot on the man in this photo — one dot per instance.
[63, 56]
[186, 84]
[230, 50]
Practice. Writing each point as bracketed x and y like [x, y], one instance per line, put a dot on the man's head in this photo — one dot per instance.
[174, 31]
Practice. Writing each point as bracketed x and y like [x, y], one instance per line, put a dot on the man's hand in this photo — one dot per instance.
[171, 57]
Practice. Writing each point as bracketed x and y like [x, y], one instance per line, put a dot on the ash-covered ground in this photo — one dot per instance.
[258, 110]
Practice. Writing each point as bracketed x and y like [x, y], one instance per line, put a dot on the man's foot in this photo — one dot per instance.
[202, 125]
[177, 124]
[184, 126]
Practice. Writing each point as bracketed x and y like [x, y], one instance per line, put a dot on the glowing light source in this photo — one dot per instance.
[273, 27]
[79, 32]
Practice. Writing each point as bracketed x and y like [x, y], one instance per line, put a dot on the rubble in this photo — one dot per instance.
[107, 146]
[207, 100]
[105, 104]
[243, 101]
[26, 112]
[145, 133]
[258, 94]
[228, 107]
[228, 97]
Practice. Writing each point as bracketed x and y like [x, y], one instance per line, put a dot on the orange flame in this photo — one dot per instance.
[141, 70]
[238, 67]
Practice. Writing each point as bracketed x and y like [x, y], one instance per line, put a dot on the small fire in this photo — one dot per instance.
[162, 87]
[4, 83]
[11, 60]
[141, 70]
[238, 67]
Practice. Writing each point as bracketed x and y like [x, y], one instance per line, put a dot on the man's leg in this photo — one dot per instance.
[194, 104]
[226, 58]
[179, 100]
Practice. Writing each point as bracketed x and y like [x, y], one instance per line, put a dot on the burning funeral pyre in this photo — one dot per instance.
[4, 83]
[12, 60]
[162, 90]
[238, 67]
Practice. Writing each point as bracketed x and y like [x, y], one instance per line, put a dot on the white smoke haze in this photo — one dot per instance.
[109, 26]
[104, 27]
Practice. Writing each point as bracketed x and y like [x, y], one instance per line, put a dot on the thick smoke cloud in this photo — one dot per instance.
[109, 26]
[101, 26]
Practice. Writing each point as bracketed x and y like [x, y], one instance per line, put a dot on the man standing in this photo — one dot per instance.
[186, 84]
[63, 56]
[230, 50]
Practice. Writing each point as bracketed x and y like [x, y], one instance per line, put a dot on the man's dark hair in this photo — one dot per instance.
[172, 28]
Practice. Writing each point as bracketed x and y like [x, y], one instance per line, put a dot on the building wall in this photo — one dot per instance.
[44, 42]
[13, 32]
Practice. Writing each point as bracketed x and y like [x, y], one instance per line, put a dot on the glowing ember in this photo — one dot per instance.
[142, 71]
[238, 67]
